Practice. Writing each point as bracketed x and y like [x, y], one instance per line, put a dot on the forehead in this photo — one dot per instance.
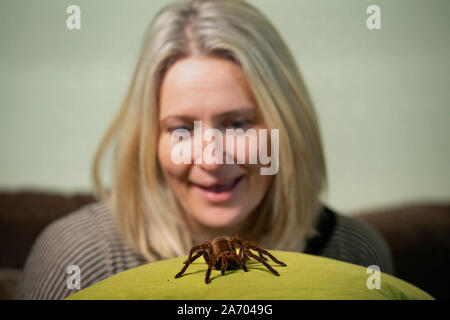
[202, 87]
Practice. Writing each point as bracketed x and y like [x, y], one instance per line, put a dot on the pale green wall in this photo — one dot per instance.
[382, 96]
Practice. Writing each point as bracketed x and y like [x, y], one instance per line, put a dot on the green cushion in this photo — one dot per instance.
[305, 277]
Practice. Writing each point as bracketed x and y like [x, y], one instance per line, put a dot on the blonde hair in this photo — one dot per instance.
[146, 209]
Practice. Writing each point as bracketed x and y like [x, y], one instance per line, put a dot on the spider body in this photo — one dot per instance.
[222, 248]
[221, 254]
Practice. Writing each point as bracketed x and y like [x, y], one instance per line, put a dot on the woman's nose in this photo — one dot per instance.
[211, 156]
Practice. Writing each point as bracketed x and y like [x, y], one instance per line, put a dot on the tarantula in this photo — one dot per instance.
[221, 254]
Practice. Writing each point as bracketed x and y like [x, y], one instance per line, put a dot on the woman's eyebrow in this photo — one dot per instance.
[183, 118]
[237, 112]
[224, 115]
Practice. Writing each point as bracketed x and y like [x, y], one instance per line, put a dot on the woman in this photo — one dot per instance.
[222, 64]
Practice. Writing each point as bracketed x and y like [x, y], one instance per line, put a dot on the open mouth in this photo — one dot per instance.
[219, 188]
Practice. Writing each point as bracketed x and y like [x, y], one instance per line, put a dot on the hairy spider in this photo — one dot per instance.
[221, 254]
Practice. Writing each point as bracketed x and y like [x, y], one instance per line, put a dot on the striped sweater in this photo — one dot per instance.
[90, 239]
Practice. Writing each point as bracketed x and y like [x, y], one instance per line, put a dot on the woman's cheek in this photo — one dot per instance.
[168, 155]
[164, 151]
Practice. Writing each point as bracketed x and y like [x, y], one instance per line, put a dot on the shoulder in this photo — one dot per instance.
[356, 242]
[86, 239]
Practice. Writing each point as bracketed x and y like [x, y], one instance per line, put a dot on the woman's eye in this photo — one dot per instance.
[182, 127]
[239, 124]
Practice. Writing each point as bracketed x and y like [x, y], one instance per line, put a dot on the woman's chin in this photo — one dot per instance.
[219, 218]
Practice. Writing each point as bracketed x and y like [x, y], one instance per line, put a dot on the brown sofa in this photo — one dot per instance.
[418, 234]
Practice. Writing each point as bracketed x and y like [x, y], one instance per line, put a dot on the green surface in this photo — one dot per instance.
[305, 277]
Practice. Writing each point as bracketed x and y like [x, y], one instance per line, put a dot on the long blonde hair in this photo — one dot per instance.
[144, 205]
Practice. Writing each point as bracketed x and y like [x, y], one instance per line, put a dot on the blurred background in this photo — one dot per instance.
[382, 96]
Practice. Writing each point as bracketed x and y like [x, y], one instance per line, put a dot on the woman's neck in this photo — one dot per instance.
[201, 233]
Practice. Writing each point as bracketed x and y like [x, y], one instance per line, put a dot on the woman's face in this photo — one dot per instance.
[215, 197]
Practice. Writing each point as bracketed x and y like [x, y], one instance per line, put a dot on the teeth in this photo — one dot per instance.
[220, 188]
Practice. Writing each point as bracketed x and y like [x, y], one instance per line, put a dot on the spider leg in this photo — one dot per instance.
[196, 248]
[210, 265]
[263, 262]
[221, 260]
[224, 266]
[261, 255]
[261, 250]
[253, 244]
[242, 261]
[236, 240]
[241, 250]
[243, 257]
[208, 274]
[205, 255]
[187, 263]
